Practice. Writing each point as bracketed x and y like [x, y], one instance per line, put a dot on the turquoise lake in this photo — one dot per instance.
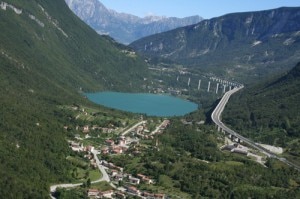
[144, 103]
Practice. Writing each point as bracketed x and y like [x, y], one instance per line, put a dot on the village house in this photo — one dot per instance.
[148, 180]
[110, 142]
[141, 176]
[117, 150]
[133, 180]
[76, 146]
[89, 148]
[111, 165]
[105, 150]
[118, 177]
[133, 190]
[113, 172]
[119, 168]
[120, 195]
[122, 141]
[106, 194]
[86, 129]
[148, 195]
[93, 193]
[236, 148]
[145, 179]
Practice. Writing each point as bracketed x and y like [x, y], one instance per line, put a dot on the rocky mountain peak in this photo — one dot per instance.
[124, 27]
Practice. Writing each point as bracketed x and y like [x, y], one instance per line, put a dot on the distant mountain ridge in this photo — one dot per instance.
[251, 43]
[124, 28]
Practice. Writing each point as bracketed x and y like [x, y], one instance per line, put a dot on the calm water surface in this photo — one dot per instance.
[149, 104]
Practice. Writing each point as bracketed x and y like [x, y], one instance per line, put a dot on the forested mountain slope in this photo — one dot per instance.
[48, 55]
[246, 46]
[269, 111]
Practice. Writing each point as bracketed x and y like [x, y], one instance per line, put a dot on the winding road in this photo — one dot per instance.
[104, 177]
[216, 117]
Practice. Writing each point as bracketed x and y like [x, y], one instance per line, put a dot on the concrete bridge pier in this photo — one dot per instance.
[217, 88]
[199, 84]
[223, 131]
[208, 87]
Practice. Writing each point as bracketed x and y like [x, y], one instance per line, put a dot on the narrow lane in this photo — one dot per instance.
[133, 127]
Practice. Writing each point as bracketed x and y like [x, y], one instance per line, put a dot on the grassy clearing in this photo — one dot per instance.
[103, 186]
[78, 162]
[81, 175]
[171, 191]
[95, 174]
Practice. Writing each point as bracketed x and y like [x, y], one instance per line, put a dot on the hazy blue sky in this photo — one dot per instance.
[182, 8]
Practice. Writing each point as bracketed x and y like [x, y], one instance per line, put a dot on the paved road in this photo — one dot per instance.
[216, 117]
[133, 127]
[157, 128]
[104, 177]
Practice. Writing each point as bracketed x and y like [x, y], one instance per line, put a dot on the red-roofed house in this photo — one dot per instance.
[106, 194]
[120, 195]
[93, 192]
[133, 190]
[117, 150]
[145, 179]
[109, 142]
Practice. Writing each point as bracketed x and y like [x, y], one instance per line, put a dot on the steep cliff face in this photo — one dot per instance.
[125, 28]
[250, 41]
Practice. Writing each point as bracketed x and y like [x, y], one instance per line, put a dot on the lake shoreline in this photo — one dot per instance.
[159, 105]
